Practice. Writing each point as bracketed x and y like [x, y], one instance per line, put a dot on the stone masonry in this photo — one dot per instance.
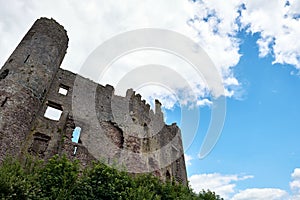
[118, 130]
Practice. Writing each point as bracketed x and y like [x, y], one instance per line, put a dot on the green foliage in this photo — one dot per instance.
[61, 178]
[209, 195]
[103, 182]
[57, 179]
[18, 181]
[12, 180]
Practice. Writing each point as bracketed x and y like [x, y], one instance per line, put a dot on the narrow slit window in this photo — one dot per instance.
[75, 137]
[26, 59]
[63, 89]
[53, 111]
[3, 102]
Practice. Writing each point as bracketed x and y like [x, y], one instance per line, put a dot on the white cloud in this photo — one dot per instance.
[277, 23]
[213, 24]
[172, 81]
[88, 24]
[204, 102]
[226, 186]
[223, 185]
[231, 81]
[91, 23]
[188, 159]
[296, 173]
[261, 194]
[295, 183]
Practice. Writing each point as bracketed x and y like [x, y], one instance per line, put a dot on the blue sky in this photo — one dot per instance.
[261, 132]
[255, 47]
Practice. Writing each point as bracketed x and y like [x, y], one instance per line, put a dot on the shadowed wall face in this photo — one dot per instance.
[25, 80]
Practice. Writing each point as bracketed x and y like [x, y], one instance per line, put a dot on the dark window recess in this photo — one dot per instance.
[63, 89]
[168, 175]
[4, 74]
[76, 137]
[114, 132]
[53, 111]
[121, 140]
[119, 135]
[40, 144]
[3, 102]
[145, 127]
[26, 59]
[43, 95]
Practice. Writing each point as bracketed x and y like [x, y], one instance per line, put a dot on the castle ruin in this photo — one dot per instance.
[115, 129]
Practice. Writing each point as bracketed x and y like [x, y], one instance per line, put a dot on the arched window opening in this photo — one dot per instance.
[76, 137]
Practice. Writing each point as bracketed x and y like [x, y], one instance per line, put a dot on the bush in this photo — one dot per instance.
[61, 179]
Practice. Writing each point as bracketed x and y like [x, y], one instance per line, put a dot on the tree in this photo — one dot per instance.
[209, 195]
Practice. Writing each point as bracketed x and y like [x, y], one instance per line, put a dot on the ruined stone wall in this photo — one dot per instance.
[123, 131]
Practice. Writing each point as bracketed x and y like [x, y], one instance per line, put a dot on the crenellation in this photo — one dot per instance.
[129, 93]
[114, 129]
[139, 97]
[157, 106]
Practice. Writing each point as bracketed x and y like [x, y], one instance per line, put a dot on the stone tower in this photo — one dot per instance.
[114, 129]
[25, 79]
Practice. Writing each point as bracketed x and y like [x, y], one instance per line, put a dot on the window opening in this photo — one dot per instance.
[63, 89]
[26, 59]
[40, 144]
[53, 111]
[5, 100]
[75, 137]
[4, 74]
[168, 175]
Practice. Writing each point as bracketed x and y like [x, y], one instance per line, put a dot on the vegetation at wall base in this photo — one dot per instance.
[61, 178]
